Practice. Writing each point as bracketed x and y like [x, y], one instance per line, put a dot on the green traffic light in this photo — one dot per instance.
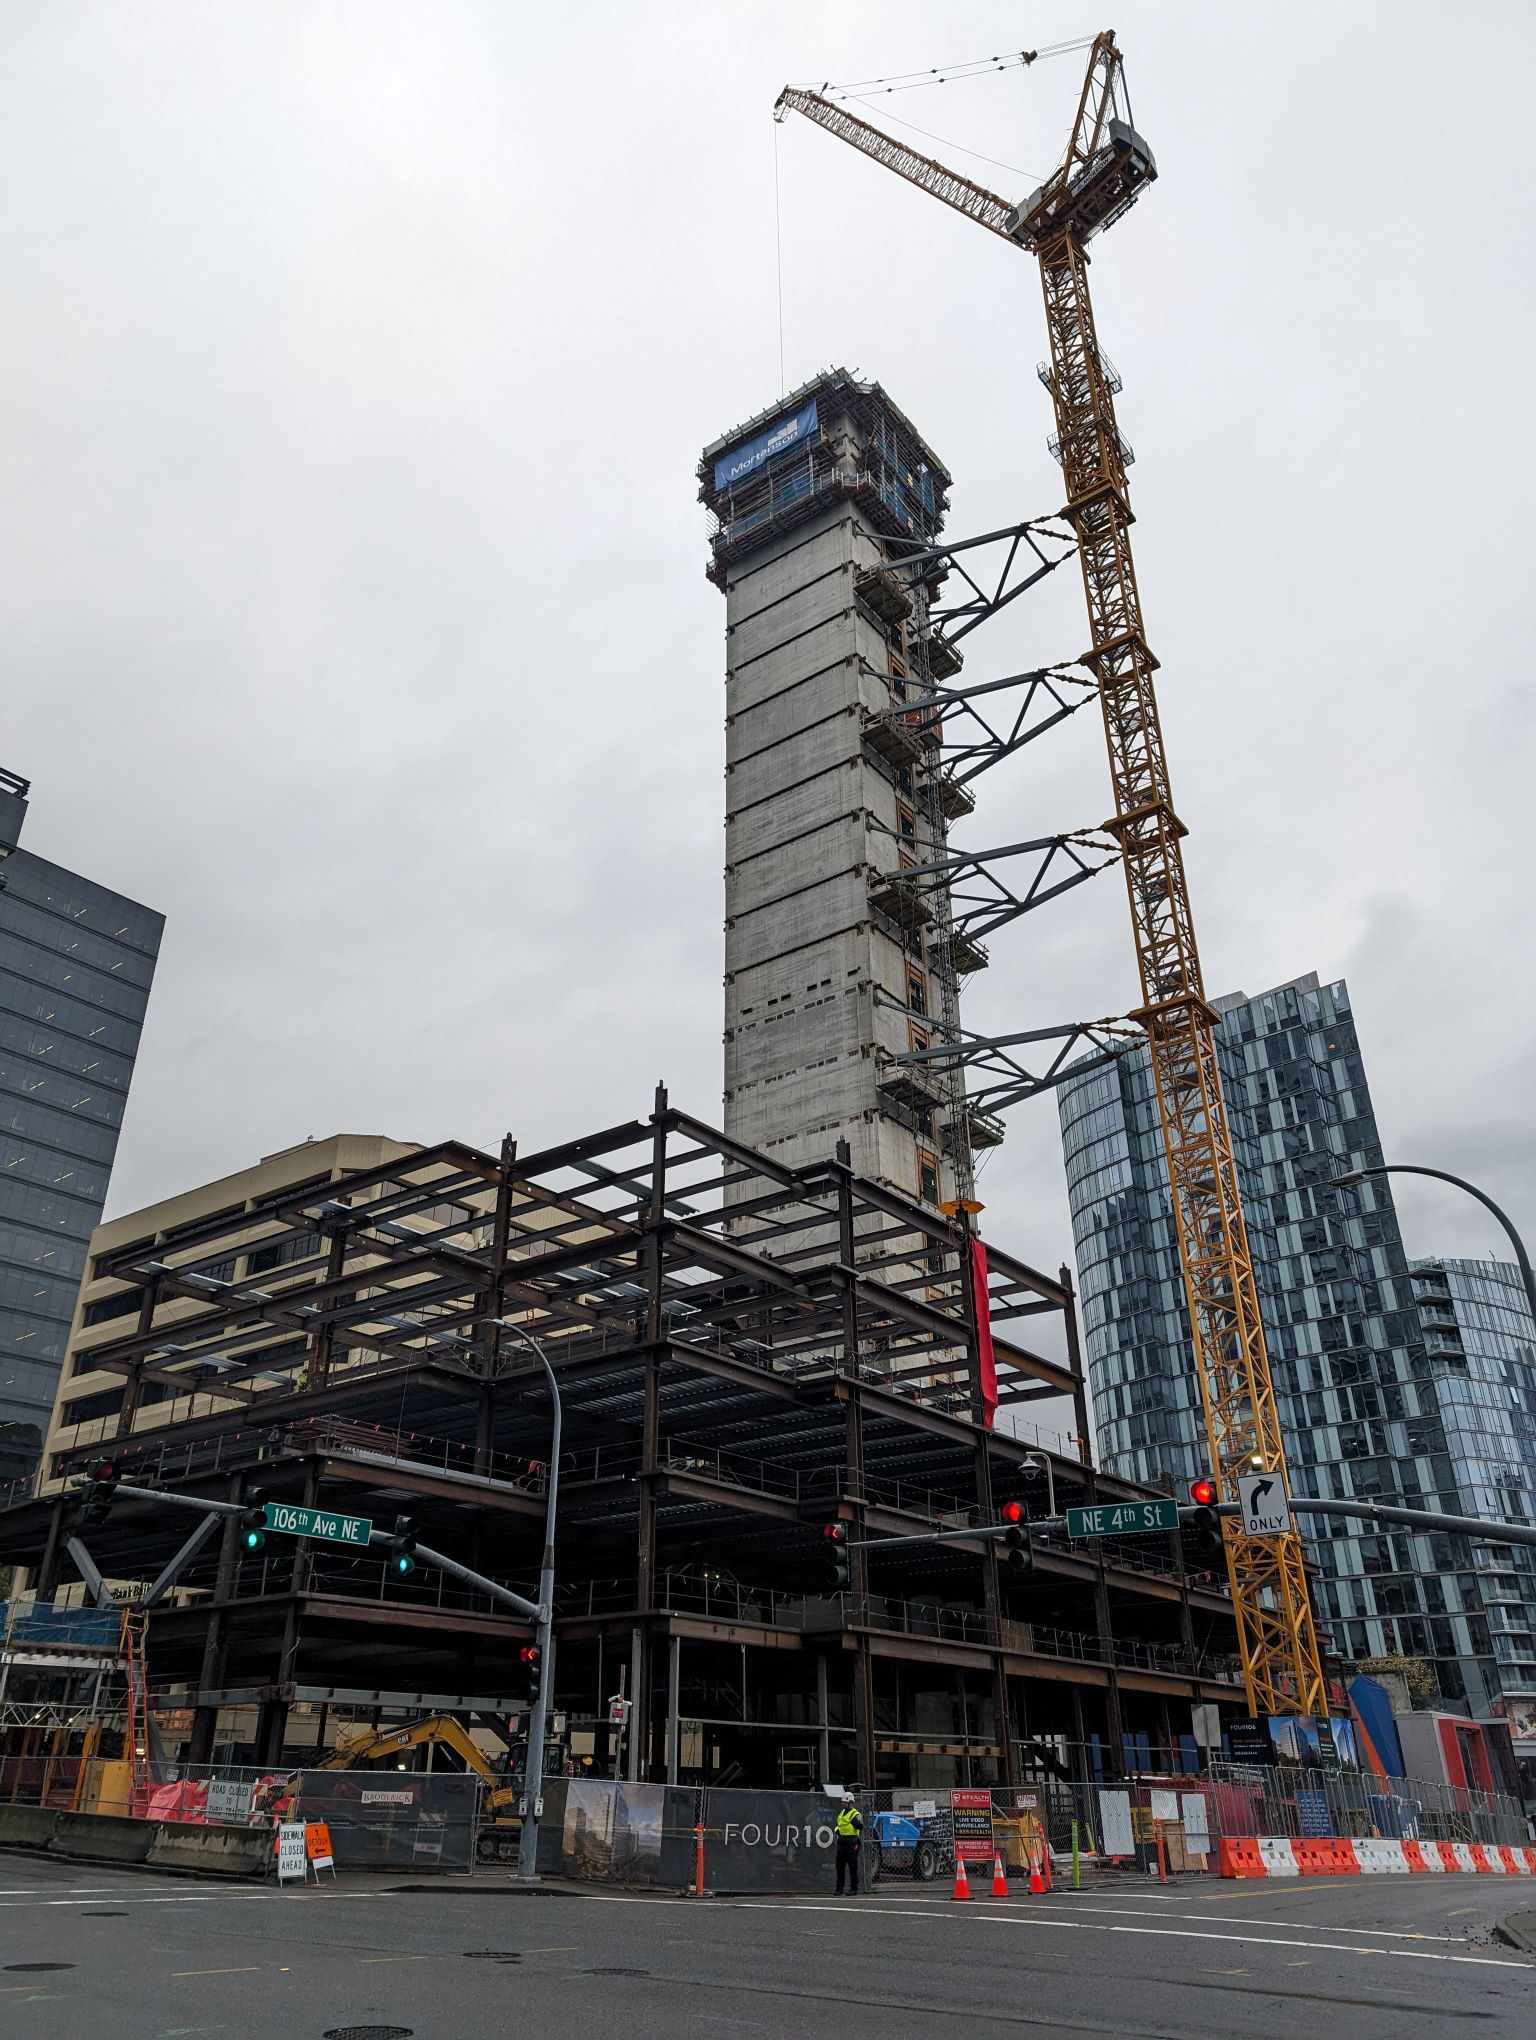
[404, 1563]
[254, 1540]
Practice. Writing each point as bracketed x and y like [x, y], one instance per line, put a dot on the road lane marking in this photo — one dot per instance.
[1082, 1926]
[1240, 1919]
[245, 1969]
[393, 1958]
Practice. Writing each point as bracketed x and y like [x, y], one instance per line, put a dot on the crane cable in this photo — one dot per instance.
[941, 74]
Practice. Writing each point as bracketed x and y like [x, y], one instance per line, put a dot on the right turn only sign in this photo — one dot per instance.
[1265, 1504]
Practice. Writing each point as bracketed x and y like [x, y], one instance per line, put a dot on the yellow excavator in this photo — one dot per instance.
[501, 1821]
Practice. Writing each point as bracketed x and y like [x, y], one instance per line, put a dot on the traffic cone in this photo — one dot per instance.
[1036, 1881]
[1045, 1864]
[962, 1882]
[999, 1879]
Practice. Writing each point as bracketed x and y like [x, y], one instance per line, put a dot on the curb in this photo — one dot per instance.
[1518, 1931]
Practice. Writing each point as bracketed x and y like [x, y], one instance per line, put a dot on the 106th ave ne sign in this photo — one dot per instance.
[1121, 1519]
[322, 1523]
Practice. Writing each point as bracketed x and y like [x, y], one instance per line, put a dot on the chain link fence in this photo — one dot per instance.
[1251, 1800]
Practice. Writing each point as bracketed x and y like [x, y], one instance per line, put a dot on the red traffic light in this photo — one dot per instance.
[528, 1654]
[835, 1533]
[1012, 1512]
[1203, 1492]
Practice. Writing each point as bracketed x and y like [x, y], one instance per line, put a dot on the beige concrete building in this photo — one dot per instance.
[95, 1407]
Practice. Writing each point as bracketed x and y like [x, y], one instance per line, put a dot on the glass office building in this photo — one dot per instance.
[1480, 1340]
[76, 964]
[1370, 1404]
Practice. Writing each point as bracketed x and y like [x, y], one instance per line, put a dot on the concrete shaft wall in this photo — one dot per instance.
[813, 816]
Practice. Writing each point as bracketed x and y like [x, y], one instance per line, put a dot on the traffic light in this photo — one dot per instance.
[402, 1546]
[102, 1491]
[835, 1570]
[253, 1522]
[531, 1658]
[1202, 1538]
[1018, 1546]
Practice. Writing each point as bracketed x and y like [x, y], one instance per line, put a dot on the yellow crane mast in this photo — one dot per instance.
[1105, 167]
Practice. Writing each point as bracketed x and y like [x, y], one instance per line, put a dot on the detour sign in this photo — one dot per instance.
[317, 1845]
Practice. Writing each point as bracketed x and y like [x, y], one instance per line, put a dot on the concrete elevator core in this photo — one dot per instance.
[839, 955]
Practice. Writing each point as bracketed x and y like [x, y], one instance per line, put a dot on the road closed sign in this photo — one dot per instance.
[1265, 1504]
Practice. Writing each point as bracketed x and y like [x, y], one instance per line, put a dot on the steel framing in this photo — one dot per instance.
[742, 1351]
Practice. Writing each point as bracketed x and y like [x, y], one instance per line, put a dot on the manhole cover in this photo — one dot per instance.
[618, 1972]
[39, 1965]
[368, 2033]
[491, 1955]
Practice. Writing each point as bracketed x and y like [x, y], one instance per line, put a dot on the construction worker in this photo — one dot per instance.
[850, 1829]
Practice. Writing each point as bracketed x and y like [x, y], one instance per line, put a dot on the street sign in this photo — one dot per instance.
[1121, 1519]
[289, 1847]
[321, 1523]
[1265, 1504]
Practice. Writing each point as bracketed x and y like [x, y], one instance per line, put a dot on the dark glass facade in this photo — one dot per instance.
[1368, 1405]
[76, 965]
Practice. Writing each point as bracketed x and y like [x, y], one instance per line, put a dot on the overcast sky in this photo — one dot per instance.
[356, 361]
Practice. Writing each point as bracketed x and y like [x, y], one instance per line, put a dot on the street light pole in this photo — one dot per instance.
[1444, 1176]
[538, 1713]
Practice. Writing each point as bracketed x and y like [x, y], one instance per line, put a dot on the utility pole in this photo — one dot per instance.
[538, 1715]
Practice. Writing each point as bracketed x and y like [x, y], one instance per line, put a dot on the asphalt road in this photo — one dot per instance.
[147, 1958]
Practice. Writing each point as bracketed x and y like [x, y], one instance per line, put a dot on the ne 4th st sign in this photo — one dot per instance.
[320, 1523]
[1122, 1519]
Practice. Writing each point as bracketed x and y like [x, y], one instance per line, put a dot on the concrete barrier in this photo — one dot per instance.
[101, 1838]
[211, 1851]
[27, 1827]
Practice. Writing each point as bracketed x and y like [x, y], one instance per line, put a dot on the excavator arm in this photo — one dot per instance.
[439, 1729]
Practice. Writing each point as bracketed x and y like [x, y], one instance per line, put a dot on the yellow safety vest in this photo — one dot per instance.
[849, 1823]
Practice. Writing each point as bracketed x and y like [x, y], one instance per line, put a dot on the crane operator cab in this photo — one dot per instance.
[1107, 185]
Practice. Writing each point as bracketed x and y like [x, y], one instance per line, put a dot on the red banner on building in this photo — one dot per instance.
[986, 1364]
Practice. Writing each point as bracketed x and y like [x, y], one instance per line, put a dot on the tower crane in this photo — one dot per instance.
[1105, 169]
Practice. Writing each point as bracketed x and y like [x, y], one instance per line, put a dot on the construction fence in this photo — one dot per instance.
[1289, 1802]
[420, 1821]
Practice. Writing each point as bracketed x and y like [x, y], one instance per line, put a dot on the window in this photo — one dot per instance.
[108, 1307]
[927, 1177]
[86, 1408]
[917, 993]
[296, 1247]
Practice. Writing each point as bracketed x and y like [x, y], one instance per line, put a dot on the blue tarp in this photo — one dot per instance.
[94, 1628]
[775, 439]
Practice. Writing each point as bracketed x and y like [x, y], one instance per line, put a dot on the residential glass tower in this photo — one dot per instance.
[76, 965]
[1370, 1403]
